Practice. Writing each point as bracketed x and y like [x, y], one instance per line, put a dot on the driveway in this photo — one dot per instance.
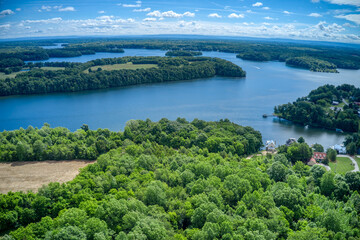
[325, 166]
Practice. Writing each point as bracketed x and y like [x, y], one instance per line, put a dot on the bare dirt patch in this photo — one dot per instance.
[25, 176]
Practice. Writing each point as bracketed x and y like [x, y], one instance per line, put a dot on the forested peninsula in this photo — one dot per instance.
[176, 180]
[314, 57]
[327, 106]
[115, 72]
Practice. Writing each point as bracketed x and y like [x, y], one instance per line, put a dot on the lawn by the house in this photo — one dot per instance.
[342, 165]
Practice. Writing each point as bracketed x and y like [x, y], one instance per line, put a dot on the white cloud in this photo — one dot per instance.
[189, 14]
[149, 19]
[249, 11]
[45, 8]
[138, 4]
[6, 12]
[266, 8]
[50, 20]
[154, 14]
[67, 9]
[170, 14]
[332, 28]
[345, 2]
[268, 18]
[315, 1]
[214, 15]
[5, 26]
[287, 12]
[112, 25]
[142, 10]
[349, 25]
[101, 12]
[18, 9]
[234, 15]
[257, 4]
[315, 15]
[351, 17]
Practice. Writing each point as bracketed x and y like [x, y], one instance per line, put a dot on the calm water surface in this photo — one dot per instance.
[242, 100]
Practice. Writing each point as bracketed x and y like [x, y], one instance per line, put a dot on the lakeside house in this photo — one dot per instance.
[317, 157]
[270, 146]
[311, 162]
[339, 148]
[290, 141]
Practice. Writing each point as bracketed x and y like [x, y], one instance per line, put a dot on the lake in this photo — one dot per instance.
[242, 100]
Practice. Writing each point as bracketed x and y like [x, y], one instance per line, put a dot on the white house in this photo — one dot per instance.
[340, 148]
[270, 145]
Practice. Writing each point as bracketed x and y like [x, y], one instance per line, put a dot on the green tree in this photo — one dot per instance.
[277, 171]
[66, 233]
[351, 148]
[331, 154]
[327, 184]
[301, 140]
[318, 147]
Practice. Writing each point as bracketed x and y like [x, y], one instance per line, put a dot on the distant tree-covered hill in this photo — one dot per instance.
[78, 77]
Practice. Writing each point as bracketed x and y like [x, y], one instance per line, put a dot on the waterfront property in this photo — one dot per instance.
[290, 141]
[319, 156]
[340, 148]
[270, 145]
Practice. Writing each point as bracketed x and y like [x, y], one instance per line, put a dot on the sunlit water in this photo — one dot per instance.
[242, 100]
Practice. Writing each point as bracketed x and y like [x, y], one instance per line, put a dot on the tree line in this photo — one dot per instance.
[310, 55]
[147, 189]
[75, 78]
[60, 144]
[178, 53]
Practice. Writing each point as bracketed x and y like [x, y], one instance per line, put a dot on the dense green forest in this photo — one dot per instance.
[313, 57]
[317, 109]
[315, 65]
[75, 78]
[178, 53]
[196, 187]
[61, 144]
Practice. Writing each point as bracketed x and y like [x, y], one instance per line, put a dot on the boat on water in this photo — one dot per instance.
[339, 130]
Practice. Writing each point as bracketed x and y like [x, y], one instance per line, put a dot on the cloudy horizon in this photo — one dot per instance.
[320, 20]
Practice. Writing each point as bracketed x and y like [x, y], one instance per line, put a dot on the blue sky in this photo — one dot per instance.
[324, 20]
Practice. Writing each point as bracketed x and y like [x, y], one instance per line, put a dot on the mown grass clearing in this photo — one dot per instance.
[13, 75]
[53, 68]
[128, 65]
[342, 165]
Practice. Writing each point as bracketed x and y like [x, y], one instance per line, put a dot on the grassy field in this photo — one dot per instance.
[12, 75]
[25, 176]
[342, 165]
[53, 68]
[128, 65]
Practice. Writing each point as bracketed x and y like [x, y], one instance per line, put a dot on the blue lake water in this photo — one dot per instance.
[242, 100]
